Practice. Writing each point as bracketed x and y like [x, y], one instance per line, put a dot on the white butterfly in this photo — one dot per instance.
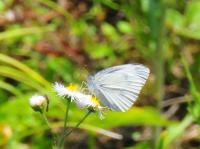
[118, 87]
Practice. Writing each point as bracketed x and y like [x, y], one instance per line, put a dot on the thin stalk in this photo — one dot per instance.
[156, 23]
[66, 119]
[69, 132]
[78, 124]
[66, 114]
[49, 127]
[45, 120]
[59, 9]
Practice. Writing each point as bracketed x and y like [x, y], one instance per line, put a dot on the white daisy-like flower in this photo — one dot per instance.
[63, 91]
[90, 102]
[83, 101]
[38, 102]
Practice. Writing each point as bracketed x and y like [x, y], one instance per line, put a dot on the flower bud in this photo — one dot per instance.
[38, 103]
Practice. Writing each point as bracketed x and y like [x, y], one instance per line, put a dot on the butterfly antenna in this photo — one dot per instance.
[83, 87]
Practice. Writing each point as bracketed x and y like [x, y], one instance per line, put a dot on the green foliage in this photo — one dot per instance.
[173, 132]
[186, 25]
[23, 32]
[48, 41]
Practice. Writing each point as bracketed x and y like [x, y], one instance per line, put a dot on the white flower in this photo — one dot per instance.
[60, 89]
[63, 91]
[89, 102]
[38, 102]
[83, 101]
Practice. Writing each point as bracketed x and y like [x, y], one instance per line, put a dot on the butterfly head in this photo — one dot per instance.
[90, 84]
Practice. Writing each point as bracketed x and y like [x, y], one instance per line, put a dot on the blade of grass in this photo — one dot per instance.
[9, 88]
[24, 31]
[174, 132]
[29, 72]
[86, 127]
[193, 88]
[58, 9]
[19, 76]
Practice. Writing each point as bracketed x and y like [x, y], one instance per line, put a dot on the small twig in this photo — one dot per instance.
[171, 111]
[176, 100]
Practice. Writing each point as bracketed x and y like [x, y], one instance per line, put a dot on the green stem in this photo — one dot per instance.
[69, 132]
[49, 127]
[66, 114]
[45, 119]
[157, 24]
[78, 124]
[65, 120]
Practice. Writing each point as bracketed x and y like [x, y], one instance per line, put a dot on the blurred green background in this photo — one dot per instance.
[43, 41]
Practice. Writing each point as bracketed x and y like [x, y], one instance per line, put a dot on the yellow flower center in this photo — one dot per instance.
[95, 101]
[72, 87]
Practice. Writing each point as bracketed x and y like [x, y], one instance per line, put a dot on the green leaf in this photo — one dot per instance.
[193, 15]
[101, 50]
[2, 6]
[174, 19]
[191, 27]
[142, 145]
[109, 31]
[174, 132]
[124, 27]
[17, 75]
[135, 116]
[23, 32]
[28, 71]
[110, 3]
[145, 5]
[9, 87]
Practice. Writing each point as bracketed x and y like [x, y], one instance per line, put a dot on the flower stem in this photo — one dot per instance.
[45, 120]
[69, 132]
[66, 114]
[47, 123]
[65, 123]
[78, 124]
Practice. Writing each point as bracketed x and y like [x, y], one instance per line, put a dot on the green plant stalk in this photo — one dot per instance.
[11, 88]
[17, 75]
[91, 141]
[66, 119]
[66, 114]
[60, 145]
[94, 130]
[49, 127]
[157, 21]
[58, 9]
[23, 68]
[176, 131]
[23, 32]
[194, 107]
[193, 88]
[45, 119]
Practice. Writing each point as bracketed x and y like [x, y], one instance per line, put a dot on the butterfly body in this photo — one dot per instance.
[118, 87]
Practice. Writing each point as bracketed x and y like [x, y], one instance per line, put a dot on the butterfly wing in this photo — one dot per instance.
[118, 87]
